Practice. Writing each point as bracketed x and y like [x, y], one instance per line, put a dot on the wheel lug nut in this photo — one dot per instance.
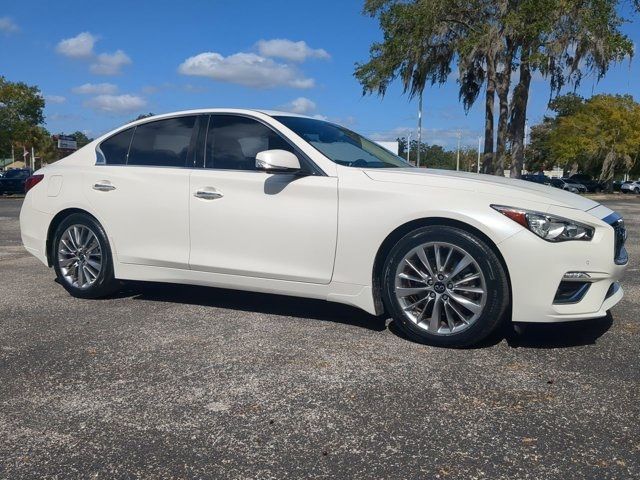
[432, 294]
[440, 276]
[450, 286]
[445, 297]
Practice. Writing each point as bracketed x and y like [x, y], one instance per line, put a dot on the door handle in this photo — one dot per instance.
[103, 186]
[207, 194]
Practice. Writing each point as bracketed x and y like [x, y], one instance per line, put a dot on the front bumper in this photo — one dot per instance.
[537, 267]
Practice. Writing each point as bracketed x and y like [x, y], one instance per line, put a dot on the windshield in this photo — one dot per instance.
[342, 146]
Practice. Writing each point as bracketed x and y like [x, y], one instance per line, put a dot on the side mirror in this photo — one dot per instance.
[277, 161]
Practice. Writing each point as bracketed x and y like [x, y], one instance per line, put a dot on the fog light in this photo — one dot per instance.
[576, 276]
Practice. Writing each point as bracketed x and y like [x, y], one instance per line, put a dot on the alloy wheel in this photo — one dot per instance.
[80, 256]
[440, 288]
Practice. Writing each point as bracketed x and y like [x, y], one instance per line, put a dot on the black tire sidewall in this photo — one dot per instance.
[495, 277]
[105, 284]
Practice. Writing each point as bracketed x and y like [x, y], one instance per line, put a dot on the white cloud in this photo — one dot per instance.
[289, 50]
[80, 46]
[95, 89]
[300, 105]
[246, 69]
[55, 98]
[110, 63]
[116, 103]
[7, 25]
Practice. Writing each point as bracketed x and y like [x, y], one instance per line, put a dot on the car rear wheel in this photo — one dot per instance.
[445, 287]
[82, 258]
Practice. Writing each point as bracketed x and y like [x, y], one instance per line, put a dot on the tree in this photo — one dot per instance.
[539, 156]
[143, 116]
[21, 110]
[561, 39]
[81, 138]
[601, 135]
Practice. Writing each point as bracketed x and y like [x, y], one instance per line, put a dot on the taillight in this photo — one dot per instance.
[32, 181]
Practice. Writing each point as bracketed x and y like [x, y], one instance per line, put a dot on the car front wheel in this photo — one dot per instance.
[444, 286]
[82, 258]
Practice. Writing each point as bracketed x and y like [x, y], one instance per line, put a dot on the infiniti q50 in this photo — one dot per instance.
[280, 203]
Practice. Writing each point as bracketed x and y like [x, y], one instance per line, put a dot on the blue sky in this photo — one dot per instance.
[101, 66]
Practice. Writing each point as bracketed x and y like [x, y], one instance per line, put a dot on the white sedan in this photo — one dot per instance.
[279, 203]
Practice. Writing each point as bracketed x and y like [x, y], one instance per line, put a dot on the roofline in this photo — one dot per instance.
[199, 111]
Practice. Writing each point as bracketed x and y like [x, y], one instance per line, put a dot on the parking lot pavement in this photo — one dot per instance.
[166, 381]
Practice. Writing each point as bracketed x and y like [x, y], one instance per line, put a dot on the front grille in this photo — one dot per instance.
[619, 252]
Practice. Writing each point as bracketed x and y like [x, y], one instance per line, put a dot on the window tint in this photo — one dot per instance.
[233, 142]
[164, 143]
[115, 149]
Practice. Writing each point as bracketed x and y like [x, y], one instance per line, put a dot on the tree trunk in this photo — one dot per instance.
[519, 115]
[608, 170]
[574, 168]
[488, 157]
[503, 85]
[504, 80]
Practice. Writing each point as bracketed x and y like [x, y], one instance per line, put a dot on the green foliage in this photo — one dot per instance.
[81, 138]
[600, 135]
[561, 39]
[21, 110]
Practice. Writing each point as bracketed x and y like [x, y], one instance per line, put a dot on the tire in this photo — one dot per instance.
[81, 241]
[445, 327]
[624, 191]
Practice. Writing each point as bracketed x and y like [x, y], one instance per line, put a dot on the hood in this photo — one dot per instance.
[485, 184]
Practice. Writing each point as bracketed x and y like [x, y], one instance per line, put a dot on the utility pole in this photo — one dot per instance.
[419, 129]
[33, 159]
[459, 135]
[408, 146]
[479, 143]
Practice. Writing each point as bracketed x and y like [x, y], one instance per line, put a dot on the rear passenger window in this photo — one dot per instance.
[164, 143]
[115, 149]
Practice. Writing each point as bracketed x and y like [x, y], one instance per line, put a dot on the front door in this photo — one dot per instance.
[252, 223]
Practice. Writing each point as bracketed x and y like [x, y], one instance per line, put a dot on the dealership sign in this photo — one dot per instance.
[67, 143]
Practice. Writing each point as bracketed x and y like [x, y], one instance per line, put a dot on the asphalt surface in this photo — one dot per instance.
[168, 381]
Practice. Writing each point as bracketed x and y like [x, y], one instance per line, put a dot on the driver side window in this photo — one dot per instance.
[234, 141]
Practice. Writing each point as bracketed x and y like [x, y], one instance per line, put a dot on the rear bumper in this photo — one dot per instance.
[34, 226]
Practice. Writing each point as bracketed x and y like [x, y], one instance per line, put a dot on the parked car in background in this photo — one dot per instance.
[280, 203]
[13, 181]
[592, 185]
[630, 187]
[617, 184]
[568, 185]
[537, 178]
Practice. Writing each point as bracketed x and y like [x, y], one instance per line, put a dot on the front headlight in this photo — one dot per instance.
[548, 227]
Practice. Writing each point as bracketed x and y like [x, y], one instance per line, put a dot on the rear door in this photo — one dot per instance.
[252, 223]
[141, 192]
